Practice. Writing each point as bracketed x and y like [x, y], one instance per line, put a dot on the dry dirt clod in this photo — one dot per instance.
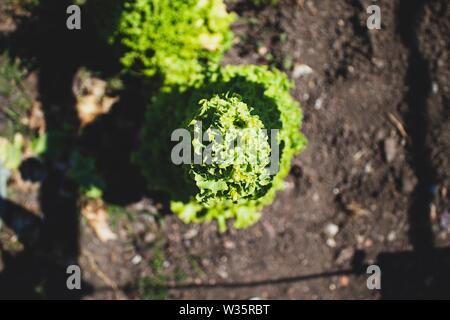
[97, 217]
[190, 234]
[92, 100]
[301, 70]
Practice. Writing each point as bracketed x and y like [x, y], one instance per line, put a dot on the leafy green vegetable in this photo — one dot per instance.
[228, 101]
[170, 38]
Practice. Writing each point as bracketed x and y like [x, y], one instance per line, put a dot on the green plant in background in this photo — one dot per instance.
[15, 106]
[15, 102]
[11, 152]
[227, 100]
[172, 38]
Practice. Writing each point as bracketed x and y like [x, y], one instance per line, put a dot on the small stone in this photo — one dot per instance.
[368, 243]
[301, 70]
[318, 104]
[344, 281]
[331, 230]
[390, 149]
[360, 239]
[379, 63]
[192, 233]
[136, 259]
[149, 237]
[435, 88]
[262, 51]
[433, 213]
[229, 244]
[331, 243]
[316, 197]
[222, 273]
[391, 236]
[444, 192]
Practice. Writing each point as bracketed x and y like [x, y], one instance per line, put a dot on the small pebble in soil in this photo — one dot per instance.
[222, 273]
[149, 237]
[433, 213]
[192, 233]
[390, 149]
[435, 87]
[444, 192]
[136, 259]
[391, 236]
[262, 51]
[228, 244]
[331, 243]
[316, 197]
[318, 104]
[301, 70]
[368, 243]
[331, 230]
[344, 281]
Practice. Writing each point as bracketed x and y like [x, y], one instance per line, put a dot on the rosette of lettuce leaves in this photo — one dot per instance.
[233, 102]
[168, 38]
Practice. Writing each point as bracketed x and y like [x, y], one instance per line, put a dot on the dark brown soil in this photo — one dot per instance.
[377, 116]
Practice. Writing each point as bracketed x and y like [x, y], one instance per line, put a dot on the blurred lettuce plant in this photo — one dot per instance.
[172, 38]
[15, 106]
[227, 99]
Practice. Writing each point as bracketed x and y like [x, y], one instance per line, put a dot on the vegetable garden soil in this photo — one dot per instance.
[372, 187]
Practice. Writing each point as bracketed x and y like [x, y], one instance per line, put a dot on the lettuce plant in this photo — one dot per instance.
[228, 101]
[171, 38]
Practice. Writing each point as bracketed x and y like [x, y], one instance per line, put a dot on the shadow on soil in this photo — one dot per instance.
[44, 43]
[424, 272]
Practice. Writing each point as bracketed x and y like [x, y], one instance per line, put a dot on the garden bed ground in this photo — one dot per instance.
[377, 116]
